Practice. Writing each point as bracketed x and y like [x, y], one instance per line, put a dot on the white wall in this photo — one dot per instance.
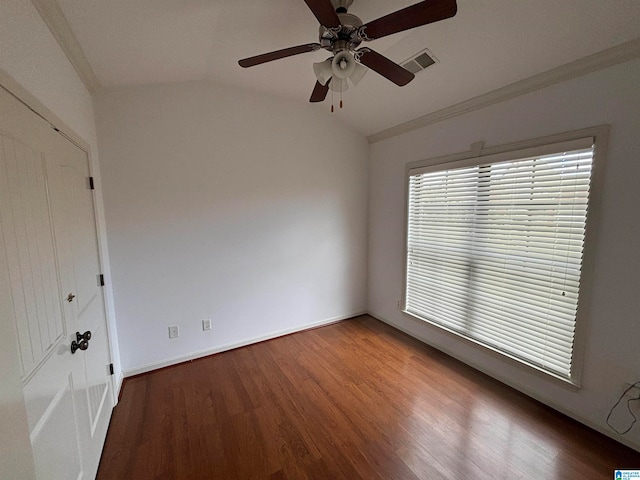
[30, 57]
[609, 96]
[223, 204]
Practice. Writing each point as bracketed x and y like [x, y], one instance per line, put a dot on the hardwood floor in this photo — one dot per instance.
[356, 399]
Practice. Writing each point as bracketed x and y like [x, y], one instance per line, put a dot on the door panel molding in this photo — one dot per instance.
[31, 252]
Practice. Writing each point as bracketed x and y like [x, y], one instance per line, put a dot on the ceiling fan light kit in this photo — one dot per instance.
[343, 64]
[341, 33]
[323, 71]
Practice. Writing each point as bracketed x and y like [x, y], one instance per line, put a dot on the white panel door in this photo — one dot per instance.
[75, 231]
[48, 245]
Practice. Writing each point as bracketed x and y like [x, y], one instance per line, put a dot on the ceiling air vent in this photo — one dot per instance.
[420, 61]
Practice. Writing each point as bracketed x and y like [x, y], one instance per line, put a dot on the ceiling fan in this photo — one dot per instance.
[341, 33]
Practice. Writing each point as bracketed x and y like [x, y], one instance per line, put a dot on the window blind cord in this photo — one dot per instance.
[617, 404]
[573, 207]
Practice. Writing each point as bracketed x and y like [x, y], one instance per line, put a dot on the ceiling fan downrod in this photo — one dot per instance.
[341, 6]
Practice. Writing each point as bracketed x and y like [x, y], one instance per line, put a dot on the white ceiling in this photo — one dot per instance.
[487, 45]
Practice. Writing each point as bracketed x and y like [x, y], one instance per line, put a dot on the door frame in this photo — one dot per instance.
[30, 101]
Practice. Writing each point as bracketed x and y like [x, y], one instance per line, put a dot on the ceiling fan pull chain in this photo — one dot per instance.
[332, 100]
[341, 98]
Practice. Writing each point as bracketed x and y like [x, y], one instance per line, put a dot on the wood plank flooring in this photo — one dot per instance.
[352, 400]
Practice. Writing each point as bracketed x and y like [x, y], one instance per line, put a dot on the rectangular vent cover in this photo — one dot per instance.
[420, 61]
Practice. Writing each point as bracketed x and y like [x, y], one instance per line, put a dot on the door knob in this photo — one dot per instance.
[83, 336]
[75, 346]
[81, 342]
[70, 297]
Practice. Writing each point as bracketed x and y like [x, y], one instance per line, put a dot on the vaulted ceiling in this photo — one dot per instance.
[489, 44]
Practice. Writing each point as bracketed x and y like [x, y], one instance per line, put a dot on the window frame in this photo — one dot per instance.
[478, 154]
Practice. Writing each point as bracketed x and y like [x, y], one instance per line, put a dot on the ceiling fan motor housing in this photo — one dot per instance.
[342, 37]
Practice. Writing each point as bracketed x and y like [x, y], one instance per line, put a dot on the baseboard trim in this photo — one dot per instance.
[231, 346]
[519, 387]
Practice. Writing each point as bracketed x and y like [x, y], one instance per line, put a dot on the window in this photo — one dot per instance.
[495, 249]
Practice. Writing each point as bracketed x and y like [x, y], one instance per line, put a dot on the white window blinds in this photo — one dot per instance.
[494, 252]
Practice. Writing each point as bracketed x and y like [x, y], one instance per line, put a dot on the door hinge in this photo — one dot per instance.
[91, 185]
[111, 368]
[101, 279]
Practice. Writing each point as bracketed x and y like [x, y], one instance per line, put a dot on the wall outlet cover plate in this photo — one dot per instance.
[173, 331]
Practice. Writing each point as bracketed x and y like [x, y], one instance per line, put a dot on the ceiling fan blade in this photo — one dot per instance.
[319, 92]
[285, 52]
[422, 13]
[385, 67]
[324, 12]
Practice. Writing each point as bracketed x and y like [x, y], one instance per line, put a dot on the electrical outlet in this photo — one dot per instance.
[173, 331]
[399, 303]
[206, 324]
